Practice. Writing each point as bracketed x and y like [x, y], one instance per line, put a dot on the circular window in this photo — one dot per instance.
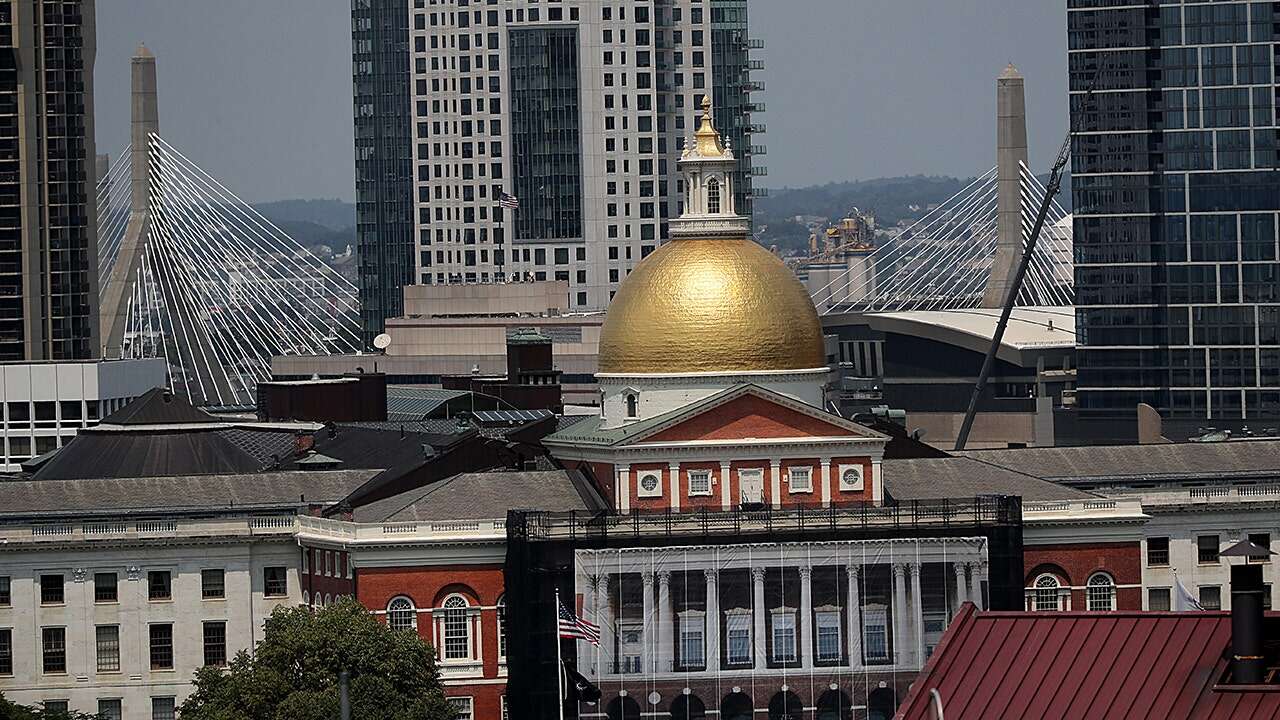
[649, 482]
[851, 476]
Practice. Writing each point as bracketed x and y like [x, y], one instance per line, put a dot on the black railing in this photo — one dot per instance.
[981, 511]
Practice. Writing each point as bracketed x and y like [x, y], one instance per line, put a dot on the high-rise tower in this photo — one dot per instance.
[575, 110]
[48, 221]
[1011, 156]
[1177, 203]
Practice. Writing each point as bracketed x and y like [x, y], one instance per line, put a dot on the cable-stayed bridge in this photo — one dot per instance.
[946, 259]
[190, 272]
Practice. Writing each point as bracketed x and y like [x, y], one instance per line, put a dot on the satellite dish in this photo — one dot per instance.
[382, 342]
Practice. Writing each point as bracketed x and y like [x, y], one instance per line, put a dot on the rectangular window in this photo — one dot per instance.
[108, 648]
[6, 651]
[1157, 551]
[784, 637]
[53, 649]
[5, 597]
[1207, 549]
[215, 643]
[51, 590]
[738, 638]
[875, 633]
[162, 708]
[828, 628]
[275, 582]
[692, 648]
[1262, 540]
[462, 707]
[800, 479]
[161, 647]
[1210, 597]
[109, 709]
[213, 584]
[699, 482]
[105, 588]
[159, 585]
[1158, 599]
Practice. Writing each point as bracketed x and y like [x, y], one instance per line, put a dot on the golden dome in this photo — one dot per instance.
[711, 306]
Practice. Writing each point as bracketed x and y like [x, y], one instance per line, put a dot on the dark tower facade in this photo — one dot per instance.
[384, 158]
[48, 220]
[1177, 204]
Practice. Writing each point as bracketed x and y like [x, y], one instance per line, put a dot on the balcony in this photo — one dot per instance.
[145, 529]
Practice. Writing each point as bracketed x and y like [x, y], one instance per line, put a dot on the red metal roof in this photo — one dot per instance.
[1086, 665]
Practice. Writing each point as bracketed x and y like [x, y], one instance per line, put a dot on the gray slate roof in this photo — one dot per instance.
[485, 496]
[177, 495]
[962, 477]
[1098, 465]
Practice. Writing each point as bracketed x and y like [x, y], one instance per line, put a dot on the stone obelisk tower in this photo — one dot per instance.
[1011, 155]
[143, 123]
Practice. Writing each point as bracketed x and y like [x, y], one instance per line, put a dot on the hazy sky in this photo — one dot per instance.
[258, 92]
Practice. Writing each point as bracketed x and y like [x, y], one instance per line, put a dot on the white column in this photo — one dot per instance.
[962, 593]
[876, 483]
[775, 483]
[590, 612]
[666, 656]
[648, 630]
[853, 616]
[608, 655]
[758, 611]
[624, 488]
[824, 480]
[713, 620]
[805, 643]
[726, 500]
[917, 615]
[978, 571]
[899, 614]
[674, 472]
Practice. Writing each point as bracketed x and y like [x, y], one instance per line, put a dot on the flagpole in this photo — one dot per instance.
[559, 661]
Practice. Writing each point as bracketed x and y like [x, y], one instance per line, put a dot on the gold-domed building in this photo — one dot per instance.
[709, 309]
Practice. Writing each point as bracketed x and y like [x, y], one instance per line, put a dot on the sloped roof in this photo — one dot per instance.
[170, 494]
[486, 496]
[1095, 464]
[158, 406]
[105, 454]
[590, 432]
[381, 445]
[1152, 665]
[953, 477]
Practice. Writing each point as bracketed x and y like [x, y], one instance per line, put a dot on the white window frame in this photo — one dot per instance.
[704, 475]
[1045, 586]
[641, 491]
[875, 632]
[693, 629]
[631, 405]
[502, 632]
[800, 479]
[453, 606]
[826, 620]
[464, 706]
[737, 621]
[784, 620]
[405, 610]
[856, 486]
[1100, 593]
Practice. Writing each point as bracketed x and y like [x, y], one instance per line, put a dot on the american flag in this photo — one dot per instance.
[572, 626]
[510, 202]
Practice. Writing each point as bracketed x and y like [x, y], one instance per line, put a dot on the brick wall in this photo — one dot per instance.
[1075, 563]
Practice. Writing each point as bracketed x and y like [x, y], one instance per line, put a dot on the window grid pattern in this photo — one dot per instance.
[457, 629]
[161, 646]
[1046, 594]
[105, 588]
[401, 615]
[53, 647]
[1101, 593]
[215, 643]
[108, 637]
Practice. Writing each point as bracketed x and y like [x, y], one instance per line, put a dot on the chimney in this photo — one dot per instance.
[1246, 624]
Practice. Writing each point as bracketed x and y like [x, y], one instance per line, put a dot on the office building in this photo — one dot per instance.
[48, 228]
[578, 111]
[383, 157]
[1177, 197]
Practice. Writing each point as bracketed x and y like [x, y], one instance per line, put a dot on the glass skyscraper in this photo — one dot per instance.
[384, 158]
[1177, 191]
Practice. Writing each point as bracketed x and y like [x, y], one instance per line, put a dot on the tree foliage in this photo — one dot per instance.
[13, 711]
[293, 674]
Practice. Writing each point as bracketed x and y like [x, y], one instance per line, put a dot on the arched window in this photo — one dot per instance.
[736, 706]
[688, 707]
[401, 614]
[457, 629]
[502, 628]
[1047, 597]
[306, 598]
[633, 405]
[328, 599]
[713, 196]
[1101, 594]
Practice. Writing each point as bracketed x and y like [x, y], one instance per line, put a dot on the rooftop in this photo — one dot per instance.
[1088, 664]
[953, 477]
[486, 496]
[1029, 329]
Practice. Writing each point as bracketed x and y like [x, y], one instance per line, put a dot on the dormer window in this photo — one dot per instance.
[713, 196]
[633, 406]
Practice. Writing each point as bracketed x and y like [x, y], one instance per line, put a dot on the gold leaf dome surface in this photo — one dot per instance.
[714, 305]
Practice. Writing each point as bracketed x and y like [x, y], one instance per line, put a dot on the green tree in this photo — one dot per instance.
[293, 673]
[13, 711]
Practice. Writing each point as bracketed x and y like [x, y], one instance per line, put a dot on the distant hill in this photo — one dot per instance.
[332, 214]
